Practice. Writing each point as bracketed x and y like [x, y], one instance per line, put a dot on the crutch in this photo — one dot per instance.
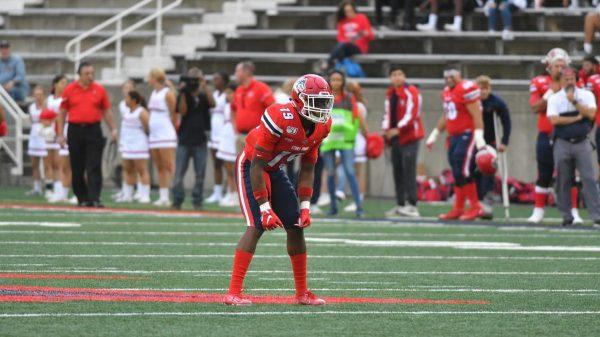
[503, 165]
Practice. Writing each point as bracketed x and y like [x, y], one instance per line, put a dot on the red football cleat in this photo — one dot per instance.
[472, 214]
[454, 214]
[232, 299]
[309, 298]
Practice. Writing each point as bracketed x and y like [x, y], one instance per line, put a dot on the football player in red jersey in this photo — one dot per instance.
[541, 88]
[267, 198]
[593, 85]
[463, 120]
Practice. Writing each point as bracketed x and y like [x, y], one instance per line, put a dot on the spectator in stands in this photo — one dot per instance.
[217, 122]
[194, 103]
[504, 9]
[353, 34]
[403, 129]
[460, 6]
[493, 105]
[251, 99]
[85, 103]
[591, 25]
[347, 123]
[12, 73]
[589, 67]
[409, 14]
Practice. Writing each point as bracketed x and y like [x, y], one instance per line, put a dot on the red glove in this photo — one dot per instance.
[304, 219]
[268, 218]
[3, 129]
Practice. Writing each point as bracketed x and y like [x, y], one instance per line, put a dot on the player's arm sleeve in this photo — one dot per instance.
[310, 157]
[471, 93]
[504, 115]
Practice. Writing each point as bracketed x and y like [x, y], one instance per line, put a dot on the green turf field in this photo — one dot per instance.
[528, 281]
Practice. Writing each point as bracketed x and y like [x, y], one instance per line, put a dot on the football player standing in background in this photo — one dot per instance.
[463, 120]
[267, 197]
[542, 87]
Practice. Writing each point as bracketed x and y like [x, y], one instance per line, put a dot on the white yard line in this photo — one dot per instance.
[40, 224]
[294, 313]
[333, 234]
[314, 272]
[311, 256]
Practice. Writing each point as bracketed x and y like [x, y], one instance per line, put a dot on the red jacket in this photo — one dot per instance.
[348, 30]
[407, 113]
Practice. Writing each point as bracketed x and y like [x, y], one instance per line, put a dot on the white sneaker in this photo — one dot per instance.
[577, 220]
[143, 200]
[392, 212]
[350, 208]
[48, 194]
[33, 193]
[137, 195]
[162, 203]
[425, 27]
[227, 201]
[537, 216]
[73, 200]
[507, 35]
[117, 195]
[214, 198]
[340, 195]
[409, 211]
[450, 27]
[123, 199]
[315, 210]
[57, 198]
[324, 200]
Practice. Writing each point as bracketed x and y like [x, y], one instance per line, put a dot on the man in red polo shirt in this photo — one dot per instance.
[86, 104]
[251, 98]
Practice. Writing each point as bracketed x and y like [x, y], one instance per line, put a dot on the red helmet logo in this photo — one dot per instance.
[375, 145]
[313, 98]
[487, 161]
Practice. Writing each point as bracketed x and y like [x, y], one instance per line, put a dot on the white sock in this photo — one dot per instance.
[458, 21]
[588, 48]
[58, 188]
[37, 185]
[138, 187]
[65, 192]
[127, 191]
[432, 20]
[145, 191]
[163, 193]
[218, 189]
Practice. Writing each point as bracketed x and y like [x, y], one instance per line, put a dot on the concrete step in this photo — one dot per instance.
[171, 24]
[210, 5]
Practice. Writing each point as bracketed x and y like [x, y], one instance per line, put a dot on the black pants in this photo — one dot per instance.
[409, 12]
[86, 143]
[404, 164]
[342, 51]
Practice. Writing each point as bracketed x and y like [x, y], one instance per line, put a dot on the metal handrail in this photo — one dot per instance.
[14, 112]
[77, 55]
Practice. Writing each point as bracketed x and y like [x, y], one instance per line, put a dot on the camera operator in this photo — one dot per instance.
[572, 111]
[193, 105]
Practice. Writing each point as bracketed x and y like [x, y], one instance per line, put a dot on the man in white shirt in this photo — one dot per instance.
[572, 111]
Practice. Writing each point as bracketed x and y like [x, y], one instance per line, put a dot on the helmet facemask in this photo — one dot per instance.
[317, 107]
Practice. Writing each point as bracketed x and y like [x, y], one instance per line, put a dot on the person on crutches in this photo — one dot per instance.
[493, 107]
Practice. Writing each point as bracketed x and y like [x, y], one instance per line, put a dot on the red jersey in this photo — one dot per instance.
[282, 135]
[249, 103]
[539, 86]
[348, 30]
[458, 118]
[407, 113]
[593, 85]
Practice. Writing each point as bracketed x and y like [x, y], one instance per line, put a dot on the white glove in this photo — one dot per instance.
[479, 140]
[432, 138]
